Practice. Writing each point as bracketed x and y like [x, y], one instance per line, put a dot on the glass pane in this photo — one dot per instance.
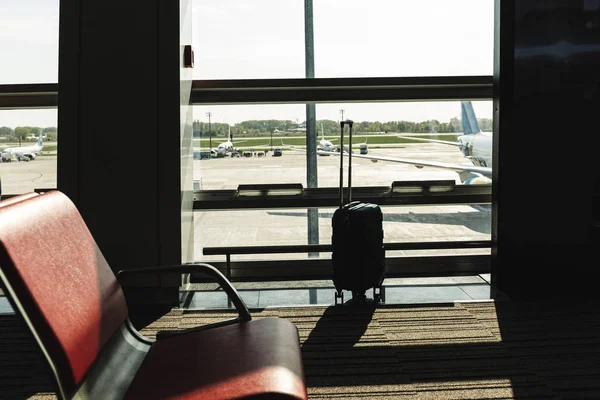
[237, 39]
[29, 41]
[24, 165]
[419, 141]
[391, 142]
[289, 227]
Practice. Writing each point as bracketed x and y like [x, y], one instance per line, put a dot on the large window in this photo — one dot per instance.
[409, 74]
[29, 48]
[29, 41]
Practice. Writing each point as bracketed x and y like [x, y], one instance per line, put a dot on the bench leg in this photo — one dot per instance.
[228, 272]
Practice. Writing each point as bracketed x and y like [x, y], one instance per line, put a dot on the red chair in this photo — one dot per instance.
[17, 198]
[75, 308]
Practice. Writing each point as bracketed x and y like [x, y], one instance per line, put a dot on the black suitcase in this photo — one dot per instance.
[358, 253]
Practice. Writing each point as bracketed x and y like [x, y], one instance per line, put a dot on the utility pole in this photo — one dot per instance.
[342, 113]
[208, 114]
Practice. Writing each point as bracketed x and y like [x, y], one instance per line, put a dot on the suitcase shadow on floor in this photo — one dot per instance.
[334, 352]
[344, 325]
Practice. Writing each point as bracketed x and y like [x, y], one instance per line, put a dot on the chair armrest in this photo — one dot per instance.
[242, 309]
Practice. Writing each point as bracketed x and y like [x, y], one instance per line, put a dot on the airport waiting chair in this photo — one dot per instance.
[17, 198]
[75, 308]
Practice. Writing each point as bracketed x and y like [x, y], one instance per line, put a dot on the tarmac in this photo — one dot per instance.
[228, 172]
[23, 176]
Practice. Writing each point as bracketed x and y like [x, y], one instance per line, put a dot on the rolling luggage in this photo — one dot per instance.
[358, 253]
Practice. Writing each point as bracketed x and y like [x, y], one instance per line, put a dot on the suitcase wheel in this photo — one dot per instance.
[377, 294]
[339, 295]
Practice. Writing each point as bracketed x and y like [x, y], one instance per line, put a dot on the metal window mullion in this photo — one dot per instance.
[341, 90]
[23, 96]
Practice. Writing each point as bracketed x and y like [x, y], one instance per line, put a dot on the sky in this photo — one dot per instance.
[250, 39]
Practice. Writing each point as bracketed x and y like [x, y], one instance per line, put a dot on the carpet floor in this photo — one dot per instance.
[478, 350]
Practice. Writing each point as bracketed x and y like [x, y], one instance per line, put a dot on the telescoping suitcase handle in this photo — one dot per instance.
[349, 123]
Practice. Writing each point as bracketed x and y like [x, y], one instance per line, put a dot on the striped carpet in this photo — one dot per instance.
[480, 350]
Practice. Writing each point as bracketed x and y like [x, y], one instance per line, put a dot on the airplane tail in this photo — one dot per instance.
[39, 141]
[469, 121]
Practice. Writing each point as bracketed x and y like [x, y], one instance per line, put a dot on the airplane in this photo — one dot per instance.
[475, 145]
[225, 147]
[363, 147]
[326, 147]
[324, 144]
[298, 129]
[23, 153]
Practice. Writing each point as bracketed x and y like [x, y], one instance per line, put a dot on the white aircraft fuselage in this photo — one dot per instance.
[225, 147]
[25, 153]
[326, 145]
[477, 148]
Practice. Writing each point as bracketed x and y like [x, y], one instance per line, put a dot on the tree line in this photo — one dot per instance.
[280, 128]
[22, 132]
[329, 127]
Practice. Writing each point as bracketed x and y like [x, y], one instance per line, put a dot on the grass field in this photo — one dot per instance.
[264, 143]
